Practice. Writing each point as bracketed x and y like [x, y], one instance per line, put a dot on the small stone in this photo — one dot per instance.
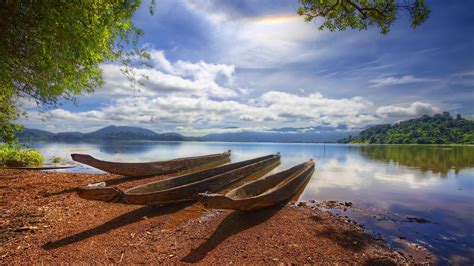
[301, 204]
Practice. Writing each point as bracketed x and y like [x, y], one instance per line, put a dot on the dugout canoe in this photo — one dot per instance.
[263, 192]
[153, 168]
[181, 188]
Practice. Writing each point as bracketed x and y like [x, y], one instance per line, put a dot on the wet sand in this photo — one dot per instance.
[43, 221]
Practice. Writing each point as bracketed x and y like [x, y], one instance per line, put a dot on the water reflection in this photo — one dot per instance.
[437, 159]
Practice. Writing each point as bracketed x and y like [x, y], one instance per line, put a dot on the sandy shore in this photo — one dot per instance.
[43, 221]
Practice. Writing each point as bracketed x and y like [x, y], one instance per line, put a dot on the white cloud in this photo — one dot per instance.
[181, 77]
[392, 80]
[413, 110]
[272, 109]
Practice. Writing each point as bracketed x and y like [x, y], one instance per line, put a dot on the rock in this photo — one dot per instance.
[302, 204]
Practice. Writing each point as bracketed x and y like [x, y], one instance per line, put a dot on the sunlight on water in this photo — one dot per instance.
[436, 183]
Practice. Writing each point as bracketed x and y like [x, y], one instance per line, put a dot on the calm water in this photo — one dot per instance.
[435, 183]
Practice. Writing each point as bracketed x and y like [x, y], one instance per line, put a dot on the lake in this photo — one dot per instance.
[386, 183]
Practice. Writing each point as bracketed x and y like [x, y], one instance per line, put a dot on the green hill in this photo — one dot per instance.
[437, 129]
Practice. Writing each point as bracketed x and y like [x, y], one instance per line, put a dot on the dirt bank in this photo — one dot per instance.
[42, 220]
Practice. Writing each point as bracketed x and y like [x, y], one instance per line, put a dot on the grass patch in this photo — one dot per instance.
[14, 156]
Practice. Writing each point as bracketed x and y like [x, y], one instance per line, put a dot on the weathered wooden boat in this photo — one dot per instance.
[181, 188]
[153, 168]
[263, 192]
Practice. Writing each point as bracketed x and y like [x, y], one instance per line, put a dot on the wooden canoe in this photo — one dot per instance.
[153, 168]
[181, 188]
[263, 192]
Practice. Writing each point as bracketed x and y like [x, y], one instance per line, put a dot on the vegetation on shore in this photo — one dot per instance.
[437, 129]
[14, 156]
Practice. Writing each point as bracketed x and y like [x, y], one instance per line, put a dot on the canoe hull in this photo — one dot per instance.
[276, 195]
[211, 180]
[153, 168]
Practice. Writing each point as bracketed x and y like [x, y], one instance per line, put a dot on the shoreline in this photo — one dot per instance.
[31, 141]
[43, 220]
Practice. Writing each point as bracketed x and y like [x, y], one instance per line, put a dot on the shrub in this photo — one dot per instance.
[57, 159]
[12, 155]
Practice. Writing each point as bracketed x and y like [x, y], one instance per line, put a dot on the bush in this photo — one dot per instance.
[57, 159]
[11, 155]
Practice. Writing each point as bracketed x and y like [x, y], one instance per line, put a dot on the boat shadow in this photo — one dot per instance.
[122, 220]
[233, 224]
[237, 222]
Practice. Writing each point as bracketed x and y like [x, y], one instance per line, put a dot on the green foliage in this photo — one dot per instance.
[51, 50]
[12, 155]
[56, 159]
[359, 14]
[437, 129]
[437, 159]
[8, 113]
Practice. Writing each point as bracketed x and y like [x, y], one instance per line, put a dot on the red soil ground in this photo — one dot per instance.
[42, 220]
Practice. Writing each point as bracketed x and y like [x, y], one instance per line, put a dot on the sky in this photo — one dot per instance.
[227, 66]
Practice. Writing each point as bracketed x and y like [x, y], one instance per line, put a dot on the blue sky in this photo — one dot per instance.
[221, 66]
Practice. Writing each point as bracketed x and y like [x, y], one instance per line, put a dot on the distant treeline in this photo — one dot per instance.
[437, 129]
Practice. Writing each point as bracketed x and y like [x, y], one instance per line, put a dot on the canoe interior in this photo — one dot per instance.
[264, 192]
[191, 178]
[266, 184]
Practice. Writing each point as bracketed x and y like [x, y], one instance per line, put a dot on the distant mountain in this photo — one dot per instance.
[106, 133]
[437, 129]
[123, 132]
[37, 134]
[308, 134]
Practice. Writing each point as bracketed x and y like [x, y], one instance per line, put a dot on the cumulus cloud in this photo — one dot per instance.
[181, 77]
[392, 80]
[273, 108]
[413, 110]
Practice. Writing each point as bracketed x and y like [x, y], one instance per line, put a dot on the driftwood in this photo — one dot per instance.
[263, 192]
[153, 168]
[181, 188]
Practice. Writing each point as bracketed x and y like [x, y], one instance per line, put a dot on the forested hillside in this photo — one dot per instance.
[437, 129]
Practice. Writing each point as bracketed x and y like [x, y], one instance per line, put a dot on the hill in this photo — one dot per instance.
[307, 134]
[106, 133]
[437, 129]
[281, 136]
